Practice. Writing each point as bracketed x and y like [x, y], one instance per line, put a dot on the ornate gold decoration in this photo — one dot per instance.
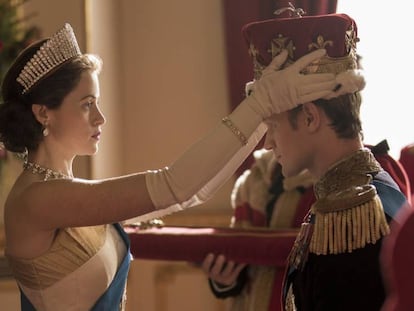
[293, 12]
[351, 40]
[324, 65]
[257, 65]
[281, 43]
[320, 43]
[348, 213]
[355, 167]
[350, 229]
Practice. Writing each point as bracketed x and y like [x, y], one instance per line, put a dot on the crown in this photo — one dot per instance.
[61, 47]
[337, 33]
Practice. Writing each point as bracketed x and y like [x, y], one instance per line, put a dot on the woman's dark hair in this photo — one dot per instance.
[19, 129]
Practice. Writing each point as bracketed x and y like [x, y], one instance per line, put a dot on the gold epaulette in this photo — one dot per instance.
[348, 220]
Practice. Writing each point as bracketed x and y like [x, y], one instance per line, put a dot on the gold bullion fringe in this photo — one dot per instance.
[347, 230]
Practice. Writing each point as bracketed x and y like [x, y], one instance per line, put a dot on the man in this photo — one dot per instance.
[334, 263]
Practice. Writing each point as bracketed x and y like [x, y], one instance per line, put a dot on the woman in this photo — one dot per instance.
[62, 248]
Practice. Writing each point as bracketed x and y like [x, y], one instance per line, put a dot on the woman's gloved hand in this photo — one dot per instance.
[280, 90]
[348, 82]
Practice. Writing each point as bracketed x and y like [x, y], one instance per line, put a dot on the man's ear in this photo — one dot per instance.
[40, 112]
[312, 116]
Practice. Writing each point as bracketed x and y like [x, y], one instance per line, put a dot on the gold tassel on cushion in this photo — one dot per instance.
[347, 229]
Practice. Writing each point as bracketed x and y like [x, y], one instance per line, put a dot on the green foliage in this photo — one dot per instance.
[14, 36]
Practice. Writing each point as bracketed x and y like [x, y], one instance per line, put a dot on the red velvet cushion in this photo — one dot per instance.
[259, 247]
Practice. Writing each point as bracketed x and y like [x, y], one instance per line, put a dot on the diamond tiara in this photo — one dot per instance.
[61, 47]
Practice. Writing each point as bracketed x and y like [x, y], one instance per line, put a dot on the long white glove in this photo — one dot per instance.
[210, 162]
[202, 169]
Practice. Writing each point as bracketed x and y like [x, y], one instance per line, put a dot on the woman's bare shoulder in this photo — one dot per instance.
[24, 238]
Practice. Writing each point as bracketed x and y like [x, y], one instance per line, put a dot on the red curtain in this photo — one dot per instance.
[239, 64]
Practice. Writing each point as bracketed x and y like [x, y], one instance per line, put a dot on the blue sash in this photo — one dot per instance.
[112, 297]
[392, 198]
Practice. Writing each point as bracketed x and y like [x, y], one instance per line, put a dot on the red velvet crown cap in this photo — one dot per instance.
[337, 33]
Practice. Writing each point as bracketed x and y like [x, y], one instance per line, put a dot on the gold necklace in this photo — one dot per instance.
[35, 168]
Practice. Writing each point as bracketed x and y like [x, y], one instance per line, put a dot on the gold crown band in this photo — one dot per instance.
[325, 64]
[61, 47]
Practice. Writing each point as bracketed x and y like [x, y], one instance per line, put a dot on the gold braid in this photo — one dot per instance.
[348, 213]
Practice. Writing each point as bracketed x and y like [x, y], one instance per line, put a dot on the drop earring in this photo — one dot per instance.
[45, 131]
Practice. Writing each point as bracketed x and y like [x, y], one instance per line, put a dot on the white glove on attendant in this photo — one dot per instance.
[281, 90]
